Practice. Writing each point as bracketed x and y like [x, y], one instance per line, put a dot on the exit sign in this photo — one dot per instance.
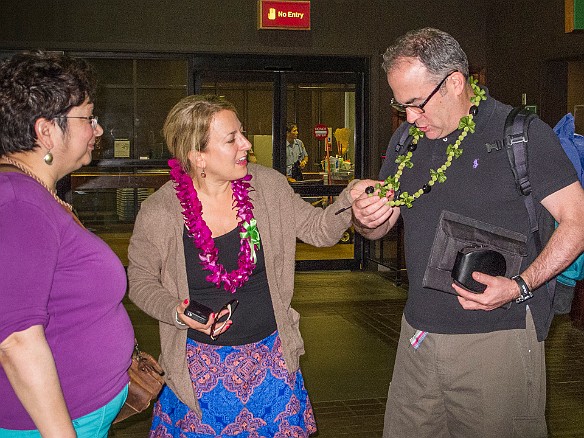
[290, 15]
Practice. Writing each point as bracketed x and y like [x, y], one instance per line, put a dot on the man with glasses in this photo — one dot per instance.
[467, 364]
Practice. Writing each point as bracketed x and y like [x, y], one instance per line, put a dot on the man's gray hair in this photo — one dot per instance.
[437, 50]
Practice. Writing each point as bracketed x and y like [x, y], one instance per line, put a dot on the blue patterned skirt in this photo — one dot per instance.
[243, 391]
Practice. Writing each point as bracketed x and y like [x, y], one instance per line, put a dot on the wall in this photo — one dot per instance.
[339, 27]
[522, 43]
[575, 85]
[528, 52]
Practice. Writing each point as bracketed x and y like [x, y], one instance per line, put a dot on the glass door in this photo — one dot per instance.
[323, 105]
[315, 102]
[253, 96]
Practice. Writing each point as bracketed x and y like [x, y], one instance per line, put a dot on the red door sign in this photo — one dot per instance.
[320, 132]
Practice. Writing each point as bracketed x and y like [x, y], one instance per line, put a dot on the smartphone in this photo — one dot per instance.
[199, 312]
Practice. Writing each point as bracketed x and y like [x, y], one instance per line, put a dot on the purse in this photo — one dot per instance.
[145, 384]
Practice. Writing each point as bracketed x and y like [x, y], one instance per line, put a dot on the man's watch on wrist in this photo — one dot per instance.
[524, 291]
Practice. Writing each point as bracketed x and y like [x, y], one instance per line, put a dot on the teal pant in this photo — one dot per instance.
[96, 424]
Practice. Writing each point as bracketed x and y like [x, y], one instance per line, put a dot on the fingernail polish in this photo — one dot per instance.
[186, 301]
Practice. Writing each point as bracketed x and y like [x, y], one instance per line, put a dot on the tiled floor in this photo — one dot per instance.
[350, 324]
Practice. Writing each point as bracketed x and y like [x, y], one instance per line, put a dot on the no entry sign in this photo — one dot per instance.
[320, 132]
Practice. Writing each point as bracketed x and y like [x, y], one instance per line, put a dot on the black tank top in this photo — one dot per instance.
[254, 319]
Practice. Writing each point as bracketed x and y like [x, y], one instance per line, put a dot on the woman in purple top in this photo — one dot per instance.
[65, 338]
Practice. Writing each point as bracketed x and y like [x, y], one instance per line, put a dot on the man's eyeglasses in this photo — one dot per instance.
[221, 322]
[418, 109]
[92, 119]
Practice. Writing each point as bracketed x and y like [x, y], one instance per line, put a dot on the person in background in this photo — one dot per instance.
[296, 156]
[468, 364]
[226, 229]
[66, 340]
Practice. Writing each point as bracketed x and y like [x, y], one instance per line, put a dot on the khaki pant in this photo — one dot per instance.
[467, 386]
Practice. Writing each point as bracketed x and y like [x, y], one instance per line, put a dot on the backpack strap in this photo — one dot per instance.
[405, 140]
[516, 138]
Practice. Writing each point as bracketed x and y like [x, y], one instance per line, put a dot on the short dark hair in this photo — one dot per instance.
[290, 125]
[39, 84]
[436, 49]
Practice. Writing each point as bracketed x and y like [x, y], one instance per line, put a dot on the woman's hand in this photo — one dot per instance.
[220, 327]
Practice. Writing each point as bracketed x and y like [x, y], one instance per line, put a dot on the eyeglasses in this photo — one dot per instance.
[418, 109]
[92, 119]
[222, 321]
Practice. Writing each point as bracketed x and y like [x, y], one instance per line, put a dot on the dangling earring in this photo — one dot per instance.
[48, 158]
[203, 174]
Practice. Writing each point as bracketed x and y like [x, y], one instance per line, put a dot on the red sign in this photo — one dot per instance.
[320, 132]
[293, 15]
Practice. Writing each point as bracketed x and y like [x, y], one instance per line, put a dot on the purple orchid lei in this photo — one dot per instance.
[201, 234]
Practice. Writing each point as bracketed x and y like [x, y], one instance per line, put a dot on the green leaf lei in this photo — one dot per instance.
[453, 151]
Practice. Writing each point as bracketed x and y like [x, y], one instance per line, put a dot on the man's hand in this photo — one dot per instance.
[372, 216]
[369, 210]
[499, 291]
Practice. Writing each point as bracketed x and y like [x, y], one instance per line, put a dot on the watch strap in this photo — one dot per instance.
[524, 291]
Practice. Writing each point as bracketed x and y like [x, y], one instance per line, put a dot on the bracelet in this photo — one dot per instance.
[524, 291]
[178, 321]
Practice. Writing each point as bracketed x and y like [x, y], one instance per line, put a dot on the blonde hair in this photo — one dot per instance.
[186, 127]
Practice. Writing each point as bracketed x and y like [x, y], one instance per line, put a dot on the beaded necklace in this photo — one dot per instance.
[453, 151]
[24, 169]
[201, 234]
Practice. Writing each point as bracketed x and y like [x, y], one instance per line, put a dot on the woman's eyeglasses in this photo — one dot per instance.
[221, 322]
[418, 109]
[92, 119]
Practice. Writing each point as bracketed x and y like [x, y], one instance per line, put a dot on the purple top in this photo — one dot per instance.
[59, 275]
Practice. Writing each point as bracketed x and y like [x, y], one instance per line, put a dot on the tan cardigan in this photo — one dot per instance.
[157, 272]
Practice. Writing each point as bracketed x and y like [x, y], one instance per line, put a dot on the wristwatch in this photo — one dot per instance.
[524, 291]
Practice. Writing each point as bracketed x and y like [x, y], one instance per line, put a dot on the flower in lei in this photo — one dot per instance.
[453, 151]
[201, 234]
